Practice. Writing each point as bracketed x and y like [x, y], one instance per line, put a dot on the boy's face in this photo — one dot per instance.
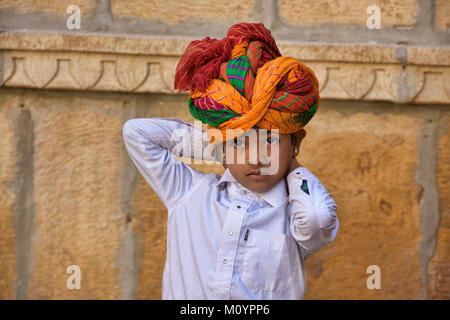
[278, 157]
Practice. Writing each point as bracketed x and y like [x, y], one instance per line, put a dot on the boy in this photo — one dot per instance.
[244, 235]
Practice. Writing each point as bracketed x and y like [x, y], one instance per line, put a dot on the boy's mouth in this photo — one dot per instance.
[254, 172]
[256, 175]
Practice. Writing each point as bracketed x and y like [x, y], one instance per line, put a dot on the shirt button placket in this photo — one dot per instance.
[228, 248]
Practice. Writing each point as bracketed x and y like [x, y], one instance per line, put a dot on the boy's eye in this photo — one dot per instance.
[237, 142]
[272, 140]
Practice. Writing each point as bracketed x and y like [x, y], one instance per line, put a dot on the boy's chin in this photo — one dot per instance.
[260, 187]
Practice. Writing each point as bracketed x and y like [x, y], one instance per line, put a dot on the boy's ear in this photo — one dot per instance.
[297, 137]
[302, 134]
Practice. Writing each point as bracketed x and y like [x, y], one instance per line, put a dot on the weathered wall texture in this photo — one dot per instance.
[70, 195]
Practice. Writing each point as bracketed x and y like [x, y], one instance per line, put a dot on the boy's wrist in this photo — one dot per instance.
[295, 178]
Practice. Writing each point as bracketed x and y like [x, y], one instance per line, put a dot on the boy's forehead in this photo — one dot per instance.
[258, 132]
[248, 133]
[269, 131]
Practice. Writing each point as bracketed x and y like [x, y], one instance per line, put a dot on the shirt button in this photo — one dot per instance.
[230, 233]
[238, 207]
[225, 261]
[244, 192]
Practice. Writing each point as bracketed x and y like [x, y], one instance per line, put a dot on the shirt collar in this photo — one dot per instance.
[275, 196]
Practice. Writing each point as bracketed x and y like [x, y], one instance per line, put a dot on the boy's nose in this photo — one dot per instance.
[254, 156]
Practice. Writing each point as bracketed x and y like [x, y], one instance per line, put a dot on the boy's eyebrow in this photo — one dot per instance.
[269, 133]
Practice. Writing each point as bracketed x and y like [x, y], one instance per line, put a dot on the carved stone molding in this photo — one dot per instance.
[88, 71]
[398, 74]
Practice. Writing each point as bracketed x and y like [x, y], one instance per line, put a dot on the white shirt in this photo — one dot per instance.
[223, 240]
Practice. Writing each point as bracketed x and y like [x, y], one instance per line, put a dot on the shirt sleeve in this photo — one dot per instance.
[314, 222]
[152, 144]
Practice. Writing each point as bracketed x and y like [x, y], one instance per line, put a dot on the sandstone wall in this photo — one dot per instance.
[69, 194]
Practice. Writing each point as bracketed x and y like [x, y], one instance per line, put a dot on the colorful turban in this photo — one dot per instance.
[242, 81]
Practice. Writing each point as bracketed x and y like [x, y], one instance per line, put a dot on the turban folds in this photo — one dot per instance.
[242, 81]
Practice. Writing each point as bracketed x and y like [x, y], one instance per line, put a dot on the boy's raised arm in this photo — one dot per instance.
[314, 222]
[150, 143]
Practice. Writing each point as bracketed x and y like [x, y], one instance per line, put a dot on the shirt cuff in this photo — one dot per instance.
[296, 177]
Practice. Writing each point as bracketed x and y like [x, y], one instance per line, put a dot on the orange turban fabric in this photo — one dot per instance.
[242, 81]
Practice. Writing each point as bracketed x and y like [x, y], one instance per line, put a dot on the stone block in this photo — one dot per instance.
[7, 201]
[188, 11]
[347, 12]
[50, 7]
[442, 14]
[367, 162]
[77, 193]
[439, 265]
